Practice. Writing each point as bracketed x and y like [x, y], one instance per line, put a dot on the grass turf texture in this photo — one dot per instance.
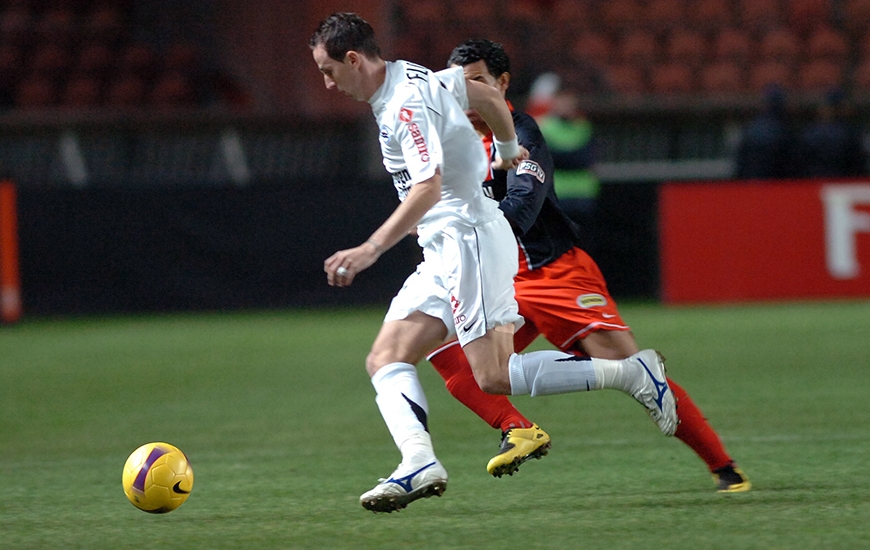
[278, 418]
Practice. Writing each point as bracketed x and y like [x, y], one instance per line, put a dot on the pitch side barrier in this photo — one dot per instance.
[765, 240]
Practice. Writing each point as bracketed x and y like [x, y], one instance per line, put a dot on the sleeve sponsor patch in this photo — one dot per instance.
[532, 168]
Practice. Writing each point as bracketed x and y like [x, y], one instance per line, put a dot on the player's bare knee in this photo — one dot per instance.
[492, 383]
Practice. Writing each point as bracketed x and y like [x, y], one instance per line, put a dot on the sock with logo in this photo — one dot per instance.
[403, 406]
[696, 432]
[495, 410]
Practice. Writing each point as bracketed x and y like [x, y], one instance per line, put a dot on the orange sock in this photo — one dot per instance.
[695, 432]
[495, 410]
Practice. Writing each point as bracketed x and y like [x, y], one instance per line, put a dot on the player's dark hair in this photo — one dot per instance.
[342, 32]
[476, 49]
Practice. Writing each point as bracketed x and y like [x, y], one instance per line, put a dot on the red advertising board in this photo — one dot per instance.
[742, 241]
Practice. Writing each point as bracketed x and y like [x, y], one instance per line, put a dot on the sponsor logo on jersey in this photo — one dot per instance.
[405, 114]
[532, 168]
[419, 141]
[591, 300]
[385, 133]
[400, 181]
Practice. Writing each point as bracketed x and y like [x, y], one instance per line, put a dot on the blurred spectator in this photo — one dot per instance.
[831, 145]
[569, 135]
[767, 145]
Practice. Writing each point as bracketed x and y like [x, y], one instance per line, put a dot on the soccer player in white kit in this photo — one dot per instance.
[464, 285]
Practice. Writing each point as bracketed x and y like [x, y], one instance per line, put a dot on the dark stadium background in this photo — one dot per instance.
[184, 155]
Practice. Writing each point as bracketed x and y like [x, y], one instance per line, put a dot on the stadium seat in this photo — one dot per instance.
[430, 12]
[686, 46]
[138, 58]
[473, 10]
[722, 77]
[35, 92]
[181, 56]
[662, 15]
[56, 25]
[824, 42]
[856, 15]
[50, 58]
[104, 24]
[640, 47]
[622, 14]
[861, 75]
[672, 78]
[16, 24]
[578, 12]
[820, 75]
[626, 79]
[126, 91]
[80, 92]
[760, 14]
[766, 73]
[733, 44]
[709, 15]
[805, 14]
[593, 48]
[95, 59]
[780, 44]
[171, 90]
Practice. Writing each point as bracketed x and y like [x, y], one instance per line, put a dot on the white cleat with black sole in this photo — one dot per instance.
[406, 485]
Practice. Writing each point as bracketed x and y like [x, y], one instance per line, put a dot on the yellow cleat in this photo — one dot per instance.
[518, 445]
[731, 479]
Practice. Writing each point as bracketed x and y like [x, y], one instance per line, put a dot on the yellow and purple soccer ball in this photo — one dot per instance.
[157, 478]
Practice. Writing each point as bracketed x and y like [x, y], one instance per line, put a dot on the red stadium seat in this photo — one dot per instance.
[780, 44]
[638, 47]
[760, 14]
[622, 14]
[723, 77]
[856, 15]
[626, 79]
[766, 73]
[95, 59]
[81, 91]
[686, 46]
[126, 91]
[824, 42]
[35, 92]
[709, 14]
[172, 89]
[672, 78]
[594, 48]
[820, 75]
[50, 59]
[805, 14]
[733, 44]
[861, 75]
[664, 14]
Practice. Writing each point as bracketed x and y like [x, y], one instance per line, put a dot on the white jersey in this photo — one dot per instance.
[422, 123]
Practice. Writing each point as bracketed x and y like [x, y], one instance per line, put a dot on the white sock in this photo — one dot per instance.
[403, 406]
[551, 372]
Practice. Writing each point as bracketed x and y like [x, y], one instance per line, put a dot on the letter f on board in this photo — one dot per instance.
[842, 224]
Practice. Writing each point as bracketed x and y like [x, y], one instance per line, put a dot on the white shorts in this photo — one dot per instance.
[466, 279]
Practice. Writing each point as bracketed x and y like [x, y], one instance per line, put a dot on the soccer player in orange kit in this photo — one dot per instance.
[560, 291]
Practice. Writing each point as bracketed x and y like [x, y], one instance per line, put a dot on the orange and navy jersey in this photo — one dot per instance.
[526, 196]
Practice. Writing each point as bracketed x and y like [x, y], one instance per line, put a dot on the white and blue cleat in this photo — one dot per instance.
[406, 485]
[653, 392]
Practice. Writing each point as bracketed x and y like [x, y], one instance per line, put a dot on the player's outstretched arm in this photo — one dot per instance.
[342, 267]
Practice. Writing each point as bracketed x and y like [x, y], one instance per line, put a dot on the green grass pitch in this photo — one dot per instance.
[277, 415]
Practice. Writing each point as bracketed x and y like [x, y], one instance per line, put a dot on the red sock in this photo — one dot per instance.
[695, 432]
[495, 410]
